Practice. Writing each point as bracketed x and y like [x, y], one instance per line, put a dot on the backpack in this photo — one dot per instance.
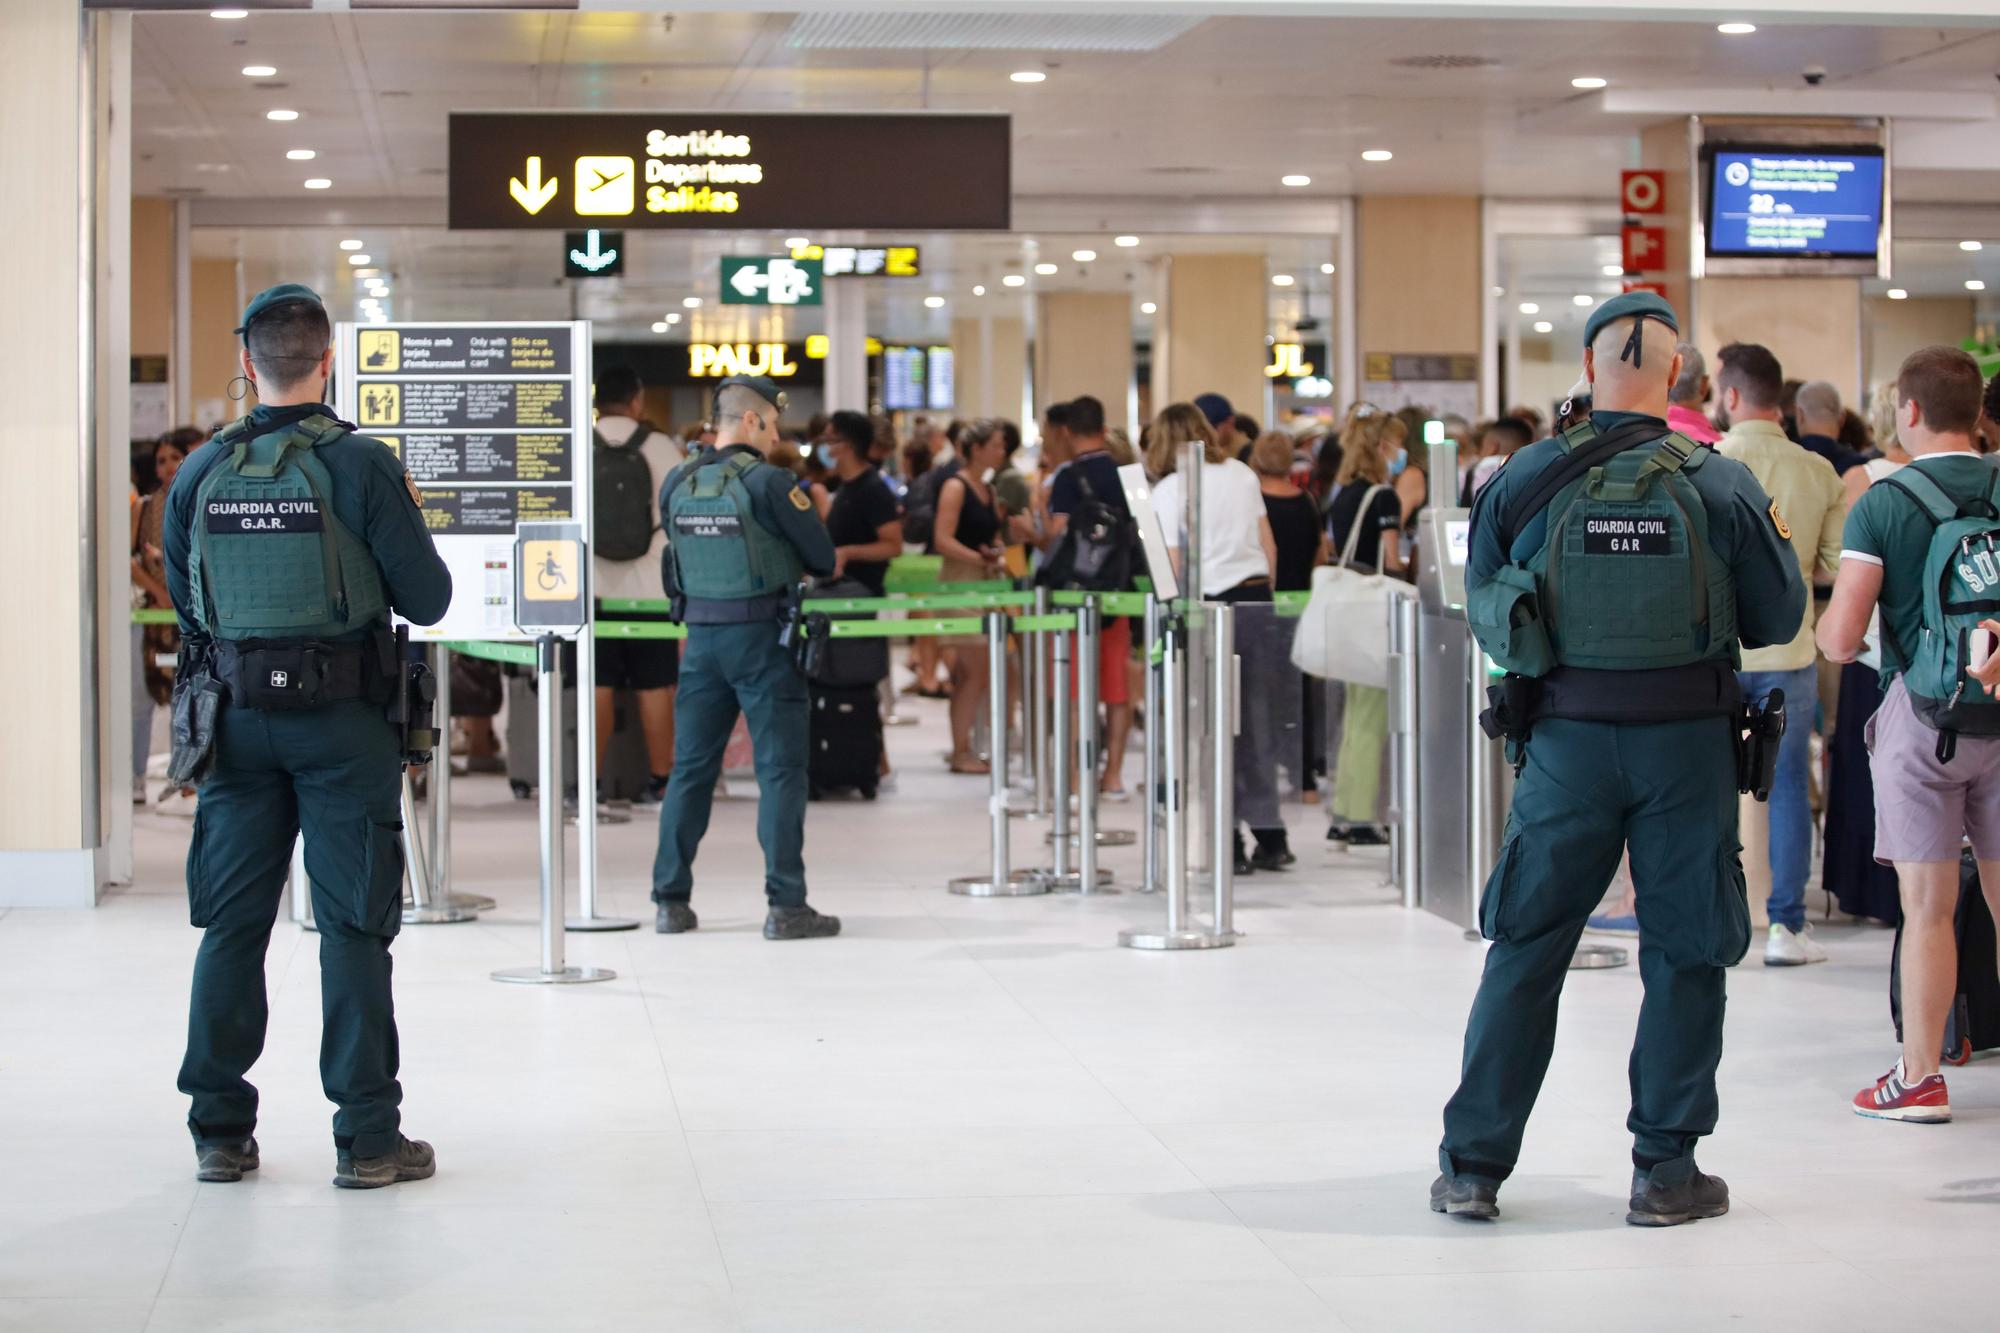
[621, 496]
[1626, 579]
[920, 504]
[1095, 553]
[1961, 588]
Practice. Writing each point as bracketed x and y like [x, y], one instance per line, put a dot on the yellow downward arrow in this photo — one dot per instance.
[535, 195]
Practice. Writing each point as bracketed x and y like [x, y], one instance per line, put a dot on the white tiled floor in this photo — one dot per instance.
[965, 1115]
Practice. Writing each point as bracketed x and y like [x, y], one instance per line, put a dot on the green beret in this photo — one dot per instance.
[761, 385]
[1644, 305]
[285, 293]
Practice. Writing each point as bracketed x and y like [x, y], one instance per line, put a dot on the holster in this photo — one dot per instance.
[412, 705]
[1759, 734]
[670, 583]
[197, 706]
[1511, 715]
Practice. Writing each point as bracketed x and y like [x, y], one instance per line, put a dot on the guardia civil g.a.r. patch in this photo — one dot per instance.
[1778, 522]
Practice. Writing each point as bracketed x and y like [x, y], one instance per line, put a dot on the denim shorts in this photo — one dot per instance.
[1924, 810]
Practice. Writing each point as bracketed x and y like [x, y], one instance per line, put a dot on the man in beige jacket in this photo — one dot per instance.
[1810, 506]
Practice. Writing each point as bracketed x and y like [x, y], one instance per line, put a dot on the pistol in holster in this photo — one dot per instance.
[196, 711]
[1759, 733]
[412, 707]
[1510, 715]
[804, 634]
[670, 582]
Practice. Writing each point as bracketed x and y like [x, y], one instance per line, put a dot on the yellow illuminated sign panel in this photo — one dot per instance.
[550, 570]
[381, 405]
[721, 360]
[381, 351]
[1288, 362]
[606, 186]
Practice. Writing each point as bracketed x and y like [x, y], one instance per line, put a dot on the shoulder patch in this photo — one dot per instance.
[410, 485]
[1778, 522]
[800, 500]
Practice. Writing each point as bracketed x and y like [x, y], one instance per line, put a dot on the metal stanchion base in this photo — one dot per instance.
[569, 976]
[1186, 939]
[901, 720]
[1020, 884]
[437, 916]
[472, 902]
[600, 923]
[1592, 956]
[1106, 837]
[1072, 882]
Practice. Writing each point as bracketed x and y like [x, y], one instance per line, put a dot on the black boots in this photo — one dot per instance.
[799, 923]
[1471, 1197]
[1683, 1195]
[674, 919]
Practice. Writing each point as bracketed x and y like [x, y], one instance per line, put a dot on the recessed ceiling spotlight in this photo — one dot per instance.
[1045, 269]
[1614, 270]
[1898, 294]
[300, 154]
[366, 272]
[281, 113]
[1126, 242]
[1148, 308]
[1581, 299]
[674, 317]
[692, 303]
[350, 244]
[797, 242]
[1972, 245]
[979, 290]
[1543, 326]
[1530, 308]
[934, 302]
[1326, 269]
[359, 260]
[1014, 280]
[1296, 182]
[319, 183]
[1499, 291]
[1589, 81]
[1974, 285]
[1736, 29]
[1377, 155]
[259, 71]
[660, 326]
[229, 13]
[1028, 76]
[1084, 256]
[1281, 279]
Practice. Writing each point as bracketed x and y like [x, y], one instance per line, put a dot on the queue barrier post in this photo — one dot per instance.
[1151, 805]
[439, 798]
[1226, 709]
[549, 723]
[587, 758]
[1001, 879]
[298, 886]
[1090, 878]
[1035, 661]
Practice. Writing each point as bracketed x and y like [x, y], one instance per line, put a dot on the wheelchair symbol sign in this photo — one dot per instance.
[549, 571]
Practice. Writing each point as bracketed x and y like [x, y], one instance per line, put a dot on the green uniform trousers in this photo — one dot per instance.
[726, 669]
[336, 773]
[1588, 791]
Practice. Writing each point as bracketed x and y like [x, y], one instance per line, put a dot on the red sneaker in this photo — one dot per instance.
[1893, 1098]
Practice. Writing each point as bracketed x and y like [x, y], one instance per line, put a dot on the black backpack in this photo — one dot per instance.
[1095, 553]
[621, 496]
[920, 504]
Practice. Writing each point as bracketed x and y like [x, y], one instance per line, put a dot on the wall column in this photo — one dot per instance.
[1209, 336]
[992, 361]
[1420, 291]
[1083, 345]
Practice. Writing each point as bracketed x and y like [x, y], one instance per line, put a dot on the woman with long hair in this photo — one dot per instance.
[970, 533]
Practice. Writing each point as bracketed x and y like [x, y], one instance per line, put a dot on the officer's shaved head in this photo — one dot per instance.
[287, 341]
[1633, 384]
[736, 399]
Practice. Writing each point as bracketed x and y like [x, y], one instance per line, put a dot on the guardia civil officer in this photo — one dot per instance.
[289, 539]
[1614, 571]
[741, 534]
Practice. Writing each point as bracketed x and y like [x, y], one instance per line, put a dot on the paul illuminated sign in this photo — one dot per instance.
[1288, 362]
[716, 361]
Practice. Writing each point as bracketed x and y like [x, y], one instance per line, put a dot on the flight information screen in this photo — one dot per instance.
[1794, 203]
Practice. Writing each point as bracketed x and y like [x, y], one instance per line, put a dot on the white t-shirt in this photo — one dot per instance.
[1232, 512]
[638, 578]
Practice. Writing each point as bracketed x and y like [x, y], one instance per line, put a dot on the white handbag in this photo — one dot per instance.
[1344, 631]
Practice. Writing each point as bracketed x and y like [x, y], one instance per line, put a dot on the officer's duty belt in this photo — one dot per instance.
[747, 611]
[288, 674]
[1663, 694]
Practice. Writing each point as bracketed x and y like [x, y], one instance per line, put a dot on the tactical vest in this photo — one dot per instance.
[1627, 579]
[721, 552]
[269, 559]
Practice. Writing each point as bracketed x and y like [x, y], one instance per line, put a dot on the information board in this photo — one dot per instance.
[942, 389]
[492, 421]
[1792, 202]
[903, 379]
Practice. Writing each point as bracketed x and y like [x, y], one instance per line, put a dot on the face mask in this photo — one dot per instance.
[1399, 462]
[825, 452]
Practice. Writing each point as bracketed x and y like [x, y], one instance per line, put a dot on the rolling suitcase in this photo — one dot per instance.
[1973, 1022]
[846, 742]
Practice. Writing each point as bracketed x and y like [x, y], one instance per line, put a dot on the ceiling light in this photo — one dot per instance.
[797, 243]
[1499, 291]
[1530, 308]
[934, 302]
[1084, 256]
[979, 291]
[1974, 285]
[1126, 241]
[319, 183]
[1543, 326]
[1972, 245]
[1614, 270]
[1898, 294]
[281, 114]
[1045, 269]
[300, 154]
[660, 326]
[366, 272]
[259, 71]
[1281, 279]
[1326, 268]
[370, 302]
[1377, 155]
[1148, 308]
[1736, 29]
[673, 317]
[1581, 299]
[1028, 76]
[350, 244]
[229, 13]
[1296, 182]
[1588, 81]
[692, 303]
[356, 260]
[1014, 280]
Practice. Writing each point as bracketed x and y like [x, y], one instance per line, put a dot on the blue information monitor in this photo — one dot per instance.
[1791, 202]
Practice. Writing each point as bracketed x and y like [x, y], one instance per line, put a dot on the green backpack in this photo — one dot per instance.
[1626, 580]
[269, 559]
[721, 552]
[1961, 588]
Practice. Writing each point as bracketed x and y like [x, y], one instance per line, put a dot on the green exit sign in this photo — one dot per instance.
[771, 280]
